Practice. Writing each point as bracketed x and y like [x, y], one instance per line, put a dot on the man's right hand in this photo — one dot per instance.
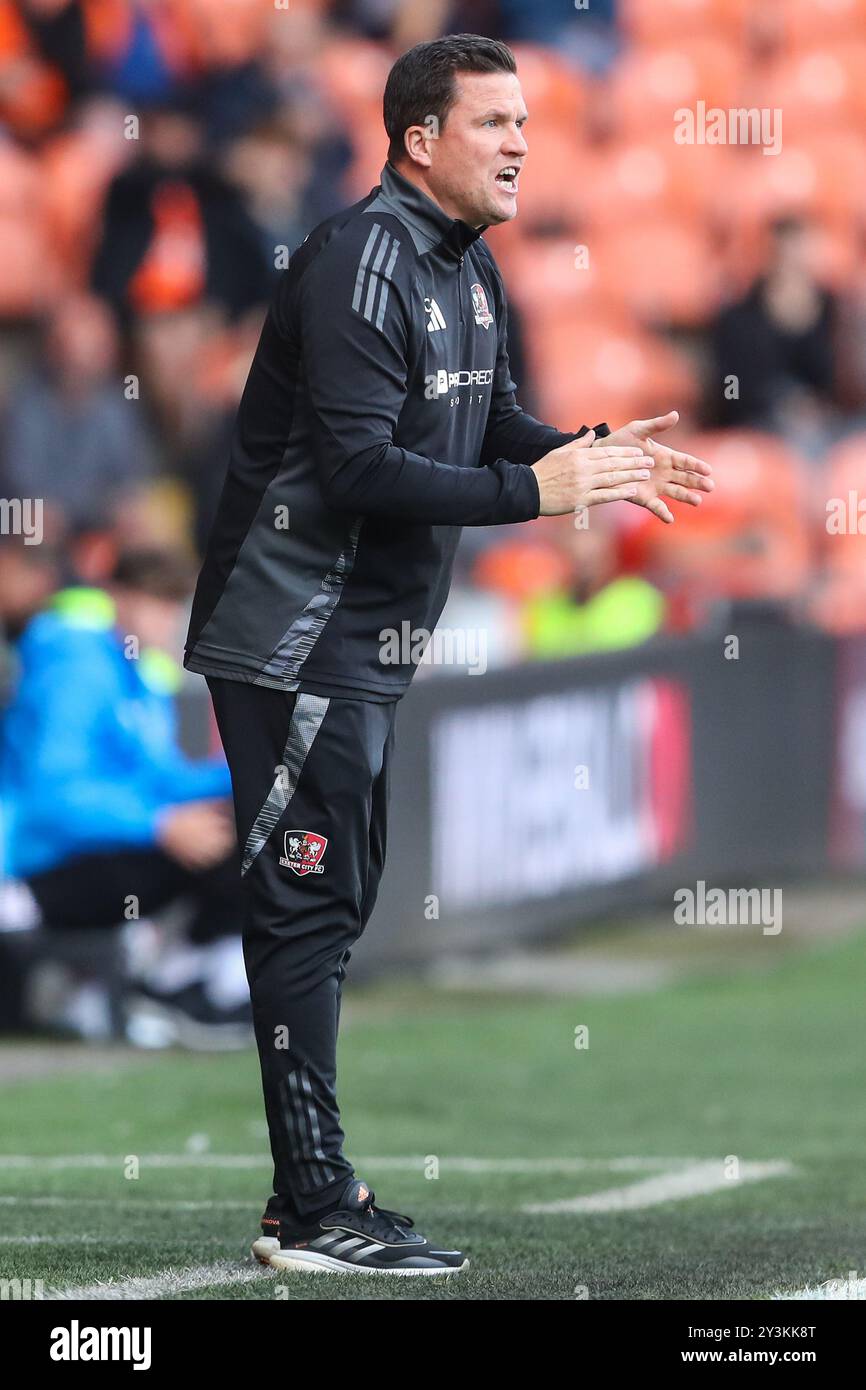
[575, 475]
[198, 834]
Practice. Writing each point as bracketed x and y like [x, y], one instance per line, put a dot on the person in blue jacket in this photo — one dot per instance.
[102, 816]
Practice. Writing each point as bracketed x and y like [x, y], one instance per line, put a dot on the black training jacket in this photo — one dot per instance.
[378, 418]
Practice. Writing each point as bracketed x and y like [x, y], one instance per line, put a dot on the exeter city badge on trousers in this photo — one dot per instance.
[302, 852]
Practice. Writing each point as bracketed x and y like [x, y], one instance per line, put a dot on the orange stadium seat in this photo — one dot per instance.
[821, 176]
[820, 87]
[555, 180]
[750, 538]
[604, 368]
[353, 73]
[755, 468]
[662, 271]
[647, 21]
[800, 22]
[554, 91]
[723, 551]
[649, 85]
[550, 276]
[657, 177]
[521, 569]
[226, 35]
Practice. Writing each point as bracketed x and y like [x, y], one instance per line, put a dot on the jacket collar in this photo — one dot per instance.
[425, 217]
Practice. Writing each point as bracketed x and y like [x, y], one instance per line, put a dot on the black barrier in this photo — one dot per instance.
[529, 798]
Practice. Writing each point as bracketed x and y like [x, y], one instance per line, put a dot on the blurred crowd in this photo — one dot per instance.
[160, 160]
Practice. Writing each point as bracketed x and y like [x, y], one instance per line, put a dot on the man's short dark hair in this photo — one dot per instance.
[421, 82]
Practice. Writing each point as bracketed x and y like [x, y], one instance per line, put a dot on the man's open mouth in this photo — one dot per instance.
[507, 178]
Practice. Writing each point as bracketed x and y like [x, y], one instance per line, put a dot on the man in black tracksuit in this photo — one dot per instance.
[378, 419]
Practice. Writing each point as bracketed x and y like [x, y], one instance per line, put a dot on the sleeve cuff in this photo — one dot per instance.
[601, 431]
[536, 492]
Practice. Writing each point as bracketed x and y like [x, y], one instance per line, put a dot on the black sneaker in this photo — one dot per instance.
[358, 1238]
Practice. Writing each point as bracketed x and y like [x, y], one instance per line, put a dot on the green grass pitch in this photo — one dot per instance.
[761, 1066]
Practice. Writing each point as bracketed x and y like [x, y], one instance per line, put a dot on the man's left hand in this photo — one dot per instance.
[679, 476]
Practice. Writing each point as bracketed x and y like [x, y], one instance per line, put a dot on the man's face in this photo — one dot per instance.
[480, 142]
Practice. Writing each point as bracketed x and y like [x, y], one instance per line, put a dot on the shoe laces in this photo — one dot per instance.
[377, 1215]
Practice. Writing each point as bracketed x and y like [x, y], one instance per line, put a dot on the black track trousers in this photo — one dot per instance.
[305, 768]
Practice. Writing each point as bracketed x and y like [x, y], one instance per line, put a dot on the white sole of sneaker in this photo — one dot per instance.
[267, 1251]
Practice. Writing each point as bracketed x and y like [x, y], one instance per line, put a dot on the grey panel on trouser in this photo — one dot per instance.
[307, 716]
[315, 1132]
[306, 1144]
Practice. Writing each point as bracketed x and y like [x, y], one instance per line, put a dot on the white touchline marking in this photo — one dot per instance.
[408, 1163]
[76, 1239]
[832, 1289]
[167, 1281]
[628, 1164]
[529, 1165]
[694, 1181]
[130, 1205]
[125, 1203]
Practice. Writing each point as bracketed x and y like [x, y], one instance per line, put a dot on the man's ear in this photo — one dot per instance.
[416, 141]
